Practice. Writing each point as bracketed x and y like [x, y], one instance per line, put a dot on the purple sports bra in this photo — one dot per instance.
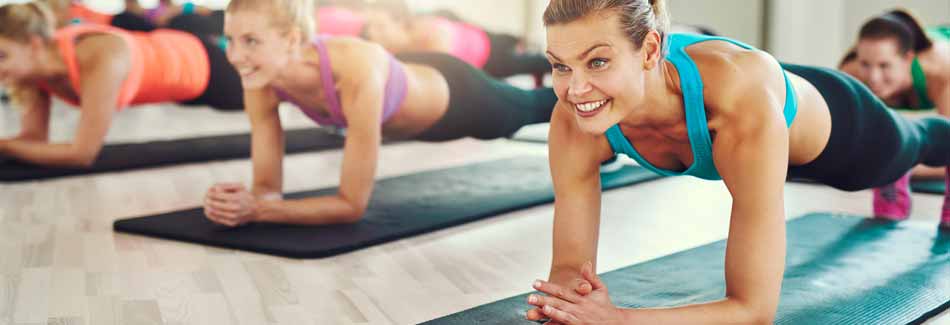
[395, 91]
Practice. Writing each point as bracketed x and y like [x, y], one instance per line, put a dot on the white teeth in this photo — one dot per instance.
[587, 107]
[245, 71]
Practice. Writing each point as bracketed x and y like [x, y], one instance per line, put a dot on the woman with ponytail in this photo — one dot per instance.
[708, 107]
[908, 67]
[100, 70]
[353, 84]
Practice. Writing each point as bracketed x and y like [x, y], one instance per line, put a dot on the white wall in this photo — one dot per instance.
[800, 34]
[738, 19]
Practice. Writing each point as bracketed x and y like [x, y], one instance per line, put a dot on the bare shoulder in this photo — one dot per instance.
[351, 47]
[103, 51]
[733, 77]
[936, 62]
[352, 57]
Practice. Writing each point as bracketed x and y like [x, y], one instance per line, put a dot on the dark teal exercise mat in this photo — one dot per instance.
[929, 186]
[126, 156]
[400, 207]
[916, 186]
[839, 270]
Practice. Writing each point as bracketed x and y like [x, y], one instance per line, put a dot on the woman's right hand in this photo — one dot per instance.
[570, 278]
[230, 204]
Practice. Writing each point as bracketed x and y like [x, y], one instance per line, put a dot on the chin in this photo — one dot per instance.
[254, 83]
[594, 126]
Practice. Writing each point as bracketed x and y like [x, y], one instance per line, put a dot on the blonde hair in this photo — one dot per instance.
[60, 9]
[637, 17]
[286, 14]
[21, 22]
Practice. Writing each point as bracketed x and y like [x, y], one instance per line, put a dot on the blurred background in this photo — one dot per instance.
[814, 32]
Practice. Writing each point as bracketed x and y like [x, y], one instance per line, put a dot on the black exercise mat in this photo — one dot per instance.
[400, 207]
[839, 270]
[928, 186]
[125, 156]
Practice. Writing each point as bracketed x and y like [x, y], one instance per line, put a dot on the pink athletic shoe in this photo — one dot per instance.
[945, 215]
[892, 201]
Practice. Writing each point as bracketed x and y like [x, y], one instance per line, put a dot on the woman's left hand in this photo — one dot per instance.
[564, 306]
[230, 204]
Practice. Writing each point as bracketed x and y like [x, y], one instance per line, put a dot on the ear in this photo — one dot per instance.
[652, 50]
[909, 56]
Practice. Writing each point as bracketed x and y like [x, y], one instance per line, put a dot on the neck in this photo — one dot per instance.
[662, 104]
[51, 64]
[300, 69]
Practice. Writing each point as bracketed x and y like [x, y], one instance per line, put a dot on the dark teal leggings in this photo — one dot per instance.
[871, 145]
[479, 105]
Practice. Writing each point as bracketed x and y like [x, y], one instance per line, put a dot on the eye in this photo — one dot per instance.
[560, 68]
[597, 64]
[250, 41]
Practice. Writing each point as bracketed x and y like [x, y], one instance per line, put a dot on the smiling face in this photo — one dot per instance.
[597, 69]
[884, 68]
[257, 48]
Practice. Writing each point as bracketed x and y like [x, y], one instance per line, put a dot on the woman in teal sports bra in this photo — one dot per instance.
[908, 67]
[712, 108]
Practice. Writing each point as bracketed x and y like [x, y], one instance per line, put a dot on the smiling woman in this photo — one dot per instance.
[908, 67]
[708, 107]
[353, 84]
[100, 70]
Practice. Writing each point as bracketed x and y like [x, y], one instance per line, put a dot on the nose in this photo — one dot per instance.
[234, 53]
[875, 77]
[579, 85]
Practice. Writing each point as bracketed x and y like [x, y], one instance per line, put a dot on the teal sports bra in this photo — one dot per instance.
[695, 109]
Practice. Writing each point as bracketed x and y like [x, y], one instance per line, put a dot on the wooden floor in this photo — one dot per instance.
[60, 262]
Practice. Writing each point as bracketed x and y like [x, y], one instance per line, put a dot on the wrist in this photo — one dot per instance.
[629, 315]
[263, 204]
[561, 270]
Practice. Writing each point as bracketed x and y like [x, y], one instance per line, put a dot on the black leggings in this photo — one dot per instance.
[224, 91]
[201, 25]
[506, 60]
[132, 22]
[480, 106]
[870, 144]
